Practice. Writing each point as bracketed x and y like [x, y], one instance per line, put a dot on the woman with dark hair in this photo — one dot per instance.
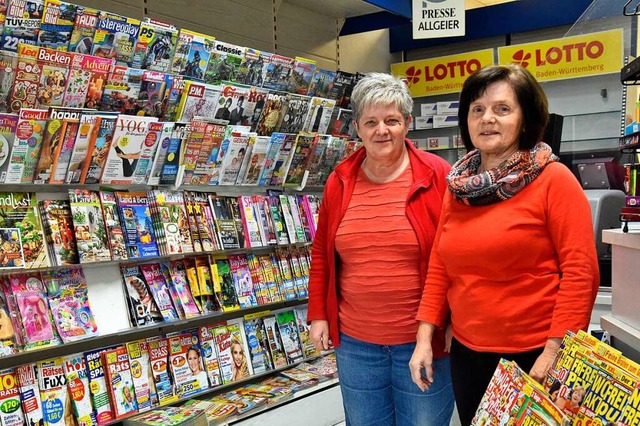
[513, 265]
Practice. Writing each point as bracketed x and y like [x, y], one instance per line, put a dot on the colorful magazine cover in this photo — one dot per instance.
[84, 144]
[242, 280]
[98, 386]
[24, 92]
[163, 132]
[57, 24]
[241, 367]
[278, 73]
[198, 100]
[140, 366]
[92, 173]
[155, 46]
[115, 233]
[29, 394]
[26, 146]
[56, 401]
[321, 83]
[52, 141]
[142, 308]
[223, 284]
[159, 359]
[151, 99]
[127, 145]
[54, 76]
[192, 54]
[75, 372]
[84, 28]
[87, 76]
[121, 90]
[222, 338]
[8, 126]
[22, 241]
[258, 345]
[89, 226]
[159, 290]
[22, 23]
[289, 335]
[137, 224]
[8, 68]
[278, 355]
[250, 71]
[169, 174]
[209, 134]
[209, 354]
[180, 284]
[115, 37]
[8, 337]
[119, 381]
[69, 302]
[12, 413]
[301, 75]
[61, 239]
[30, 297]
[224, 63]
[187, 368]
[61, 163]
[319, 115]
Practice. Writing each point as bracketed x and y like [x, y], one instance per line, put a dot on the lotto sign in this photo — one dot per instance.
[569, 57]
[445, 74]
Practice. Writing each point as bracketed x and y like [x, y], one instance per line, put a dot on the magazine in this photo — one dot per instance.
[142, 308]
[69, 302]
[119, 381]
[12, 414]
[137, 224]
[89, 226]
[75, 372]
[127, 146]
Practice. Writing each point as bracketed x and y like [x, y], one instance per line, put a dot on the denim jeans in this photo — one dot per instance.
[377, 388]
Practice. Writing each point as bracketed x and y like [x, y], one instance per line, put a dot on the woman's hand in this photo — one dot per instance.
[448, 337]
[422, 358]
[319, 334]
[545, 360]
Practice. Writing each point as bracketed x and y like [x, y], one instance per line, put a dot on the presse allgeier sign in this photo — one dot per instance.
[438, 18]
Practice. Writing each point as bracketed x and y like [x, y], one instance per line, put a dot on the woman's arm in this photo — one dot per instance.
[571, 231]
[319, 270]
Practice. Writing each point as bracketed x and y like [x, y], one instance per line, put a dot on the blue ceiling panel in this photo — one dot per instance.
[372, 22]
[506, 18]
[397, 7]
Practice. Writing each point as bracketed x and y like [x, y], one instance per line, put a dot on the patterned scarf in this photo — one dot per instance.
[498, 184]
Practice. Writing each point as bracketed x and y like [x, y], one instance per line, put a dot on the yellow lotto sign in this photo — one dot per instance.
[570, 57]
[445, 74]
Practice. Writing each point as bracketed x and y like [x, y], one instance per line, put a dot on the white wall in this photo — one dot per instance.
[366, 52]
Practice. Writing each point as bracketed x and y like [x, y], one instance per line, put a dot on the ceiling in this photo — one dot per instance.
[351, 8]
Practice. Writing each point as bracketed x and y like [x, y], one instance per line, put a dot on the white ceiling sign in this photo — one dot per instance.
[438, 18]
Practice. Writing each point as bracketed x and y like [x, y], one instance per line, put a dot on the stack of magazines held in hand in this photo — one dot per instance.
[589, 383]
[513, 398]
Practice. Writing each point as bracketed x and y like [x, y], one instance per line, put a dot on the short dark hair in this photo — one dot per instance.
[530, 96]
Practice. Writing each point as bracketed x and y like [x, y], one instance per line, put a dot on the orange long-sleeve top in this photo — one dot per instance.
[517, 272]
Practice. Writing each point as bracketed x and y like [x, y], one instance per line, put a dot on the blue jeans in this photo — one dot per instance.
[377, 388]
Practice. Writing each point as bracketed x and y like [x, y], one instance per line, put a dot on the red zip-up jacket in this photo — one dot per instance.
[424, 203]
